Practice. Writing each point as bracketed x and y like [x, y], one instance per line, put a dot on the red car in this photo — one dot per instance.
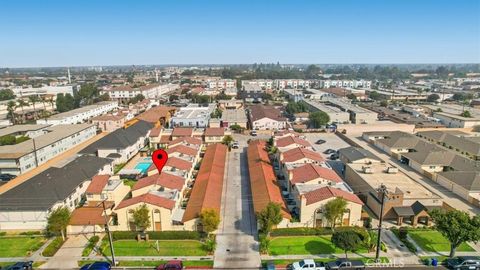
[171, 265]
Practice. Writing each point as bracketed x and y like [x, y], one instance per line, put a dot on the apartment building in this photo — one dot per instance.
[252, 92]
[234, 117]
[109, 122]
[266, 118]
[123, 94]
[46, 143]
[80, 115]
[345, 83]
[27, 206]
[193, 115]
[222, 84]
[291, 83]
[265, 84]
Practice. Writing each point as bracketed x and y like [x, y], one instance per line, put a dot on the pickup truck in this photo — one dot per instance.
[345, 264]
[307, 264]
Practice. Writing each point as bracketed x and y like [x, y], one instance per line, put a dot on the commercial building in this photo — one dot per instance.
[234, 117]
[266, 118]
[46, 143]
[192, 116]
[358, 115]
[80, 115]
[335, 114]
[45, 90]
[27, 206]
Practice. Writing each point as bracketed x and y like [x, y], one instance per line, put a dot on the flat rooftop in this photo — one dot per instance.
[324, 107]
[237, 115]
[20, 129]
[393, 181]
[80, 110]
[193, 112]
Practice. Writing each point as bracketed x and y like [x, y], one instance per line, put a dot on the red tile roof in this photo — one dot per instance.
[179, 163]
[165, 180]
[295, 154]
[183, 149]
[155, 113]
[207, 190]
[310, 172]
[263, 182]
[97, 184]
[187, 140]
[330, 192]
[165, 139]
[214, 131]
[148, 198]
[289, 140]
[178, 132]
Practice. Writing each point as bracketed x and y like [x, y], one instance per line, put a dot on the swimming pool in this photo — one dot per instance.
[143, 166]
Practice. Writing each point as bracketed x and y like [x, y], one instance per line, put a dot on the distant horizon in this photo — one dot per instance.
[58, 33]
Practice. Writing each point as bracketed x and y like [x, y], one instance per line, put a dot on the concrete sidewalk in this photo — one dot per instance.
[67, 256]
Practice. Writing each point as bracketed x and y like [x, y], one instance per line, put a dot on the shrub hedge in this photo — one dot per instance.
[53, 247]
[165, 235]
[311, 231]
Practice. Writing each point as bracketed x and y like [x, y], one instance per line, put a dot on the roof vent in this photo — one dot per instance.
[367, 169]
[392, 170]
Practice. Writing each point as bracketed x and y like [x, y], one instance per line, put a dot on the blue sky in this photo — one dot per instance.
[92, 32]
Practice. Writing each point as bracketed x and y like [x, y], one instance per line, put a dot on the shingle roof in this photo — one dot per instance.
[179, 131]
[97, 184]
[88, 216]
[289, 140]
[295, 154]
[263, 182]
[53, 185]
[261, 111]
[469, 180]
[214, 131]
[148, 198]
[310, 172]
[207, 190]
[164, 180]
[120, 138]
[324, 193]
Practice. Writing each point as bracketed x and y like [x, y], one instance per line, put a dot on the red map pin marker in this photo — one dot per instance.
[159, 158]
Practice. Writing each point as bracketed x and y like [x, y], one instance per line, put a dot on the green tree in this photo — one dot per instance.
[210, 220]
[466, 114]
[6, 94]
[334, 210]
[348, 240]
[58, 220]
[87, 93]
[270, 216]
[11, 106]
[7, 140]
[34, 100]
[433, 98]
[22, 103]
[227, 140]
[141, 218]
[457, 227]
[375, 95]
[236, 128]
[318, 119]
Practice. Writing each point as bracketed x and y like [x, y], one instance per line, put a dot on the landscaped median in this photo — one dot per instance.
[167, 243]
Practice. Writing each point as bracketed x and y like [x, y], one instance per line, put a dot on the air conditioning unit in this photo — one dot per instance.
[367, 169]
[392, 170]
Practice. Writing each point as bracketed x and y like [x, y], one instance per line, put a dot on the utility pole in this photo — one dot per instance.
[35, 152]
[383, 190]
[107, 230]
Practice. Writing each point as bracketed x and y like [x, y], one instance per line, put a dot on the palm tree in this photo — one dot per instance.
[22, 103]
[33, 100]
[11, 106]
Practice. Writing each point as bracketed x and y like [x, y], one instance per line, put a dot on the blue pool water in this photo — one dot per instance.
[143, 166]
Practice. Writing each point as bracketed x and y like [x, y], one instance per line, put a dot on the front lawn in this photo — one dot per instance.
[433, 241]
[304, 245]
[166, 248]
[20, 246]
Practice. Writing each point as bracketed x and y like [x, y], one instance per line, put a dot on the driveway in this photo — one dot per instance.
[68, 255]
[237, 246]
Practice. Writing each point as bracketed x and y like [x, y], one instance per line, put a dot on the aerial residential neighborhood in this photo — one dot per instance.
[302, 135]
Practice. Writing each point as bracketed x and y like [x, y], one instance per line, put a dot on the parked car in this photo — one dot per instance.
[6, 177]
[320, 142]
[97, 266]
[307, 264]
[171, 265]
[334, 156]
[270, 266]
[345, 264]
[20, 266]
[253, 133]
[235, 145]
[464, 263]
[329, 151]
